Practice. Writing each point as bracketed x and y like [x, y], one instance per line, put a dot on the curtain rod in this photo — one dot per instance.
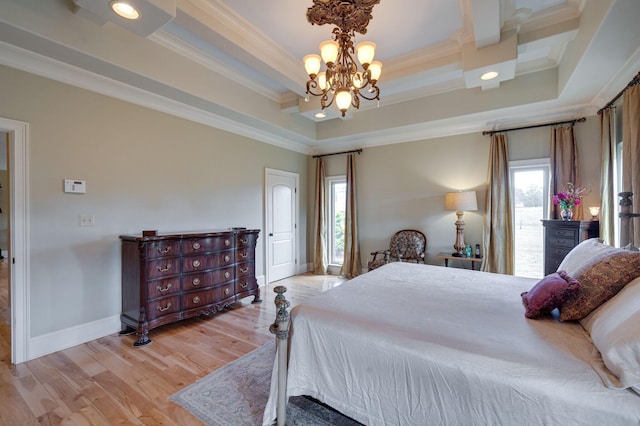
[338, 153]
[557, 123]
[633, 82]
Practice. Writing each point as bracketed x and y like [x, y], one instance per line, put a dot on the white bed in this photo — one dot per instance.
[410, 344]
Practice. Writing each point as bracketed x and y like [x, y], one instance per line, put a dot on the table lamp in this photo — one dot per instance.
[595, 211]
[460, 201]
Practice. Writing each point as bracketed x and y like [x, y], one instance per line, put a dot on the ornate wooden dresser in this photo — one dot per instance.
[167, 278]
[561, 236]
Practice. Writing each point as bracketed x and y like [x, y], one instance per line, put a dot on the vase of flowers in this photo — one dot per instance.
[568, 199]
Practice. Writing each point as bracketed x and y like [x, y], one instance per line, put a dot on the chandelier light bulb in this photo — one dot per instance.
[329, 51]
[322, 81]
[366, 51]
[343, 100]
[312, 65]
[376, 69]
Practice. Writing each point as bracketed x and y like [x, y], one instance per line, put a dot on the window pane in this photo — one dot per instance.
[337, 216]
[529, 196]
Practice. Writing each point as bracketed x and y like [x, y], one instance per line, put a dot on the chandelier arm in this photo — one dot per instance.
[373, 96]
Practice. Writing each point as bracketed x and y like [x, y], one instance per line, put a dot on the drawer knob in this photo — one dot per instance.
[244, 285]
[196, 246]
[164, 251]
[244, 254]
[244, 270]
[196, 299]
[227, 274]
[162, 290]
[165, 269]
[226, 290]
[244, 240]
[227, 258]
[196, 263]
[196, 281]
[161, 309]
[227, 242]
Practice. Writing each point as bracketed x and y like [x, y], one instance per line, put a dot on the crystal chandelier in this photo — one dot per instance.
[342, 81]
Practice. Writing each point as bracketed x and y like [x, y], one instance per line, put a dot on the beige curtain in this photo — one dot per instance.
[320, 260]
[565, 166]
[631, 154]
[498, 229]
[352, 265]
[609, 205]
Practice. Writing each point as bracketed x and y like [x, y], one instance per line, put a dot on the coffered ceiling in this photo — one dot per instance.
[237, 65]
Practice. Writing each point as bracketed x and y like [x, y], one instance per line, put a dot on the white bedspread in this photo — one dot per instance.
[411, 344]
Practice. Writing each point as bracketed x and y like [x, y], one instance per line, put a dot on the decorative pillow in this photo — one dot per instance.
[548, 294]
[583, 253]
[615, 333]
[601, 279]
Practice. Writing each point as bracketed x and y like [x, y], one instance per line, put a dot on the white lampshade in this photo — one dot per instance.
[461, 201]
[329, 51]
[343, 99]
[376, 69]
[366, 50]
[312, 64]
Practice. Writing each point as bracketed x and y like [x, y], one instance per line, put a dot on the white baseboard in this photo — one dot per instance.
[72, 336]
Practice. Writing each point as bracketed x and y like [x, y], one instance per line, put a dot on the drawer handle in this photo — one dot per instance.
[244, 270]
[226, 290]
[244, 254]
[244, 240]
[227, 274]
[196, 246]
[196, 299]
[227, 242]
[244, 285]
[161, 309]
[227, 258]
[162, 290]
[165, 251]
[165, 269]
[196, 281]
[196, 263]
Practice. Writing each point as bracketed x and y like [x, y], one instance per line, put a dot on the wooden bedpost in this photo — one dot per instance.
[281, 329]
[626, 216]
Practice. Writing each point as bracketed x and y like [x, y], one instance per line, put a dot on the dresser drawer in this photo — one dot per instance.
[224, 292]
[197, 299]
[163, 268]
[166, 248]
[207, 279]
[197, 263]
[163, 287]
[208, 244]
[563, 233]
[568, 243]
[245, 270]
[164, 306]
[246, 284]
[246, 240]
[245, 254]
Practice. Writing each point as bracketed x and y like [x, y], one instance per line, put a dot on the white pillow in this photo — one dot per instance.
[614, 329]
[582, 253]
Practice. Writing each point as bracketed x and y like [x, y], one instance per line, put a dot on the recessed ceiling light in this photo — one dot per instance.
[321, 114]
[489, 75]
[125, 10]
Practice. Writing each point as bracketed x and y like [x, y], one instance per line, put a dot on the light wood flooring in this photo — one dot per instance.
[108, 382]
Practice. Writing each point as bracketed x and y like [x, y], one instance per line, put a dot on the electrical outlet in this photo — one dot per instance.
[86, 220]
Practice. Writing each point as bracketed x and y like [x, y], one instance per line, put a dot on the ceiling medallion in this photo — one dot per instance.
[341, 80]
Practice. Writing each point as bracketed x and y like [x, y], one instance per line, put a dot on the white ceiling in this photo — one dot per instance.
[237, 64]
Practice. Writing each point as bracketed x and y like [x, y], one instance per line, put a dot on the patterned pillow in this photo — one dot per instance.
[548, 294]
[601, 279]
[582, 253]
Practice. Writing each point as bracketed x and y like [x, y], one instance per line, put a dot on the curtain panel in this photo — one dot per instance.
[631, 155]
[565, 166]
[498, 226]
[320, 260]
[608, 206]
[352, 265]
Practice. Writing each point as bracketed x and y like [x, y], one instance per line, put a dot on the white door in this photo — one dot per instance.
[281, 223]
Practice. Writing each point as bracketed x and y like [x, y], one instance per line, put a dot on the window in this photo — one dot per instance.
[530, 183]
[337, 193]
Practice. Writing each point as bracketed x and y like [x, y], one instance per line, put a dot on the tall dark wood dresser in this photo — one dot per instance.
[167, 278]
[560, 236]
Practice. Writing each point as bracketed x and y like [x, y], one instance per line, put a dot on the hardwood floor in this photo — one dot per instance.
[107, 381]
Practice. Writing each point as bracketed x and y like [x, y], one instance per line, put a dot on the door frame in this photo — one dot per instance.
[19, 253]
[267, 212]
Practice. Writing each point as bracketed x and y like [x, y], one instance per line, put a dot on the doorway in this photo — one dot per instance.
[16, 135]
[281, 202]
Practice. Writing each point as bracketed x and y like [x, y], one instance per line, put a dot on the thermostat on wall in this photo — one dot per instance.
[75, 186]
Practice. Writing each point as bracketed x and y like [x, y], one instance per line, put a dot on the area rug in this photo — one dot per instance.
[236, 394]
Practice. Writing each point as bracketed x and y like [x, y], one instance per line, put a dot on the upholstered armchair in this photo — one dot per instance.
[407, 245]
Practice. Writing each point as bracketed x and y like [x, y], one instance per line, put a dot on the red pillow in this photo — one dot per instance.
[549, 293]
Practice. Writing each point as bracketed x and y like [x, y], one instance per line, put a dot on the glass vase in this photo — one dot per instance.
[566, 214]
